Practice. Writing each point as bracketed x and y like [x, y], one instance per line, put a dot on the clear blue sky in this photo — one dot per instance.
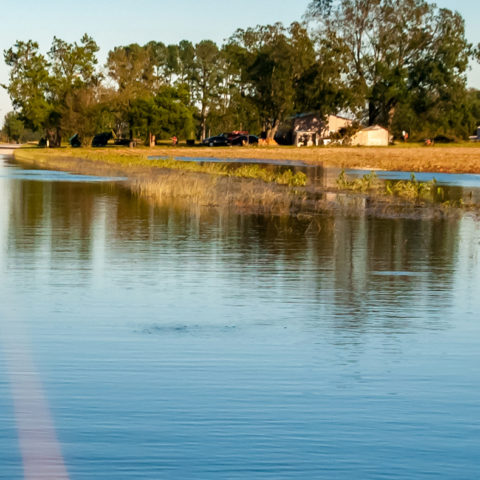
[120, 22]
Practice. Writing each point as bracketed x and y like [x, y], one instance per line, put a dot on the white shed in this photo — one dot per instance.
[374, 136]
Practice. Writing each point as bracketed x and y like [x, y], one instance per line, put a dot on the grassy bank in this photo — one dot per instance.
[130, 160]
[244, 187]
[267, 190]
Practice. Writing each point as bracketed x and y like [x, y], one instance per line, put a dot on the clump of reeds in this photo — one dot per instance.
[278, 175]
[408, 189]
[368, 182]
[208, 190]
[413, 189]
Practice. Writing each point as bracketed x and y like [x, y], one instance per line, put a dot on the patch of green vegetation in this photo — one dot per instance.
[368, 182]
[414, 190]
[278, 175]
[410, 189]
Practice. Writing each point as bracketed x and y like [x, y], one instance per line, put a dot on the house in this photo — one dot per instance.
[313, 129]
[374, 136]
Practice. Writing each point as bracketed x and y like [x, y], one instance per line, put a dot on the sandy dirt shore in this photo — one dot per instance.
[8, 149]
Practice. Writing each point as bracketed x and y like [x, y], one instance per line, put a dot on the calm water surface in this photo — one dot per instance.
[184, 343]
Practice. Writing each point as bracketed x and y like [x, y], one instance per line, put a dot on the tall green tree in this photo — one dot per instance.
[133, 69]
[392, 52]
[157, 52]
[273, 61]
[187, 73]
[74, 86]
[43, 89]
[29, 83]
[13, 127]
[161, 115]
[207, 78]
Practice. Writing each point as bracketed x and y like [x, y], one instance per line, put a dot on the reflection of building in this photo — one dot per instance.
[371, 136]
[313, 129]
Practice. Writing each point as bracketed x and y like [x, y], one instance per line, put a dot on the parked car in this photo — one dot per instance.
[217, 141]
[101, 139]
[232, 138]
[244, 140]
[75, 141]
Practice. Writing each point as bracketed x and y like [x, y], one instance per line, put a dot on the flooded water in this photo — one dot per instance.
[175, 342]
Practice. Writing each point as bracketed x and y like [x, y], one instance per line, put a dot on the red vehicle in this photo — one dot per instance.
[238, 137]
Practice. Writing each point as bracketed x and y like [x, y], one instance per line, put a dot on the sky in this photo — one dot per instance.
[120, 22]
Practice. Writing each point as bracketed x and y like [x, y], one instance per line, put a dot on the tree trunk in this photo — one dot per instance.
[372, 113]
[391, 114]
[151, 140]
[272, 129]
[54, 137]
[204, 124]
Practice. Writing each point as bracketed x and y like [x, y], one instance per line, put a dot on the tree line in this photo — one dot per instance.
[399, 64]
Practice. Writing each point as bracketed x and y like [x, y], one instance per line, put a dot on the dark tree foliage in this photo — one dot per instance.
[46, 90]
[272, 62]
[407, 57]
[164, 114]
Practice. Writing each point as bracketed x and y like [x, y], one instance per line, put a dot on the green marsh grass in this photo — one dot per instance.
[408, 189]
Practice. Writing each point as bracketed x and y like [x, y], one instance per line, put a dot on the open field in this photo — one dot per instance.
[439, 158]
[463, 158]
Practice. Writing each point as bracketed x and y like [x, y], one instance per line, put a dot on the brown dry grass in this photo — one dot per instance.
[439, 158]
[464, 158]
